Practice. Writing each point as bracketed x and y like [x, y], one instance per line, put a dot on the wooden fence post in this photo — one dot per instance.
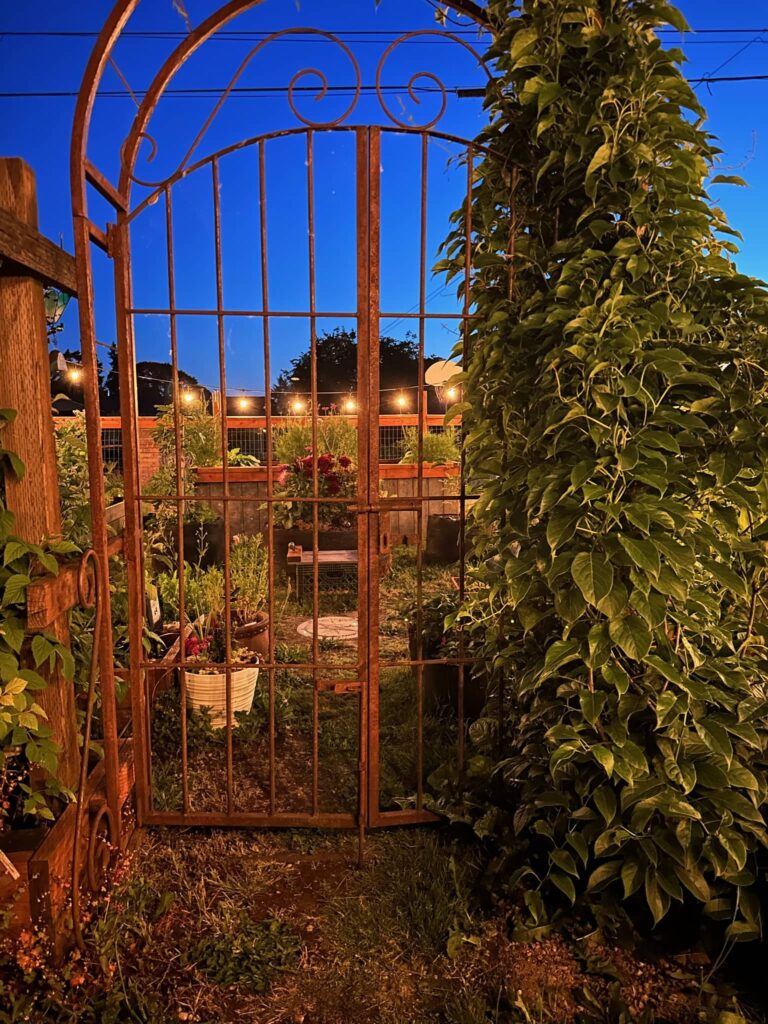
[25, 385]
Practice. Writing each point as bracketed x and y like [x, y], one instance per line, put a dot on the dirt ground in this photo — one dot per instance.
[283, 928]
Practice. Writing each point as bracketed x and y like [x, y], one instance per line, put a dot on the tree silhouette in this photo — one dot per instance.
[337, 366]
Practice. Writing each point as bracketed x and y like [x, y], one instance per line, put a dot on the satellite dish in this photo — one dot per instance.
[441, 373]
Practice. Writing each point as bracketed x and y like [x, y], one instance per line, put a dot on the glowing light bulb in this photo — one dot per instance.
[297, 405]
[243, 403]
[452, 392]
[350, 405]
[401, 401]
[75, 374]
[188, 397]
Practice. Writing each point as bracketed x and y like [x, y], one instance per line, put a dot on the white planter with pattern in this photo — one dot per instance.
[206, 690]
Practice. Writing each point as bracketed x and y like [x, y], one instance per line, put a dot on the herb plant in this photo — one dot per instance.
[248, 573]
[439, 449]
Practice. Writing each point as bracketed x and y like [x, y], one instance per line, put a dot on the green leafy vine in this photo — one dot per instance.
[26, 743]
[616, 415]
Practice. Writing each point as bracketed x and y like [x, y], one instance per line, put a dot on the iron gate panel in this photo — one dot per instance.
[366, 679]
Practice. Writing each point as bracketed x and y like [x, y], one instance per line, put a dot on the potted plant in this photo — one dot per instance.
[441, 682]
[206, 644]
[336, 477]
[200, 433]
[249, 579]
[443, 528]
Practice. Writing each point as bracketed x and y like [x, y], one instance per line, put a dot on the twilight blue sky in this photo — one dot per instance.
[37, 128]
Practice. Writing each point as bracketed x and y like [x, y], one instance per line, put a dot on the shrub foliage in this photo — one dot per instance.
[616, 414]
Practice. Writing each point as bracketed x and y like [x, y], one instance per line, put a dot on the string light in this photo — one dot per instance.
[75, 374]
[350, 405]
[243, 403]
[401, 401]
[298, 406]
[188, 397]
[451, 393]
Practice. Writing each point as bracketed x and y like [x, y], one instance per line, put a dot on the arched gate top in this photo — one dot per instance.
[82, 171]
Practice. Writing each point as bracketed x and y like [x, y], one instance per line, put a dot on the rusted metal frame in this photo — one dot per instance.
[421, 410]
[511, 278]
[98, 511]
[179, 464]
[386, 503]
[395, 819]
[102, 51]
[286, 133]
[315, 469]
[275, 499]
[133, 546]
[307, 666]
[462, 457]
[98, 237]
[270, 470]
[304, 314]
[246, 819]
[104, 187]
[372, 429]
[363, 441]
[225, 478]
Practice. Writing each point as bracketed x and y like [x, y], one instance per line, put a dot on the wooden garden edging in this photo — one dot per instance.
[41, 890]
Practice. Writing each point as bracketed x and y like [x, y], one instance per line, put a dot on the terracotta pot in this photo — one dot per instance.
[210, 691]
[255, 635]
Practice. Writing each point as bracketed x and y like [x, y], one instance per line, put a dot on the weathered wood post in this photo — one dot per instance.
[25, 385]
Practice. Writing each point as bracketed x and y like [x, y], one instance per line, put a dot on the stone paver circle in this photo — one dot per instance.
[331, 627]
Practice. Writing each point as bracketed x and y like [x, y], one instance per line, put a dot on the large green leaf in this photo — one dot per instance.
[643, 553]
[632, 635]
[593, 575]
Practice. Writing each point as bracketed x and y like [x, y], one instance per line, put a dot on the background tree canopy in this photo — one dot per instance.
[337, 366]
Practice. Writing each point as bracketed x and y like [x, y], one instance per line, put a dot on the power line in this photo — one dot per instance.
[377, 34]
[464, 92]
[256, 90]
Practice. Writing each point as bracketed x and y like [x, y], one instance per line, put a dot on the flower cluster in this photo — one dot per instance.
[336, 478]
[330, 471]
[196, 646]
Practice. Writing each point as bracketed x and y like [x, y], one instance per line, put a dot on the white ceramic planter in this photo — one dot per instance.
[210, 691]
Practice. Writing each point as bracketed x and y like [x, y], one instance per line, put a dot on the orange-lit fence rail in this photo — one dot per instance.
[249, 435]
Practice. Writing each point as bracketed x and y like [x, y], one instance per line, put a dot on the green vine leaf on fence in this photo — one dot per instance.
[25, 735]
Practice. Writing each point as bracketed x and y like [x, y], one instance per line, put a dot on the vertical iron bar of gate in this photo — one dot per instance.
[315, 467]
[225, 476]
[372, 498]
[363, 458]
[180, 483]
[421, 398]
[270, 467]
[134, 554]
[462, 464]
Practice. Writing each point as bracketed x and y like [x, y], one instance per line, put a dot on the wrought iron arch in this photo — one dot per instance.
[115, 241]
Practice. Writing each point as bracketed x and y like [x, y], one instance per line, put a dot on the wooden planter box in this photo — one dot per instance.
[116, 516]
[41, 894]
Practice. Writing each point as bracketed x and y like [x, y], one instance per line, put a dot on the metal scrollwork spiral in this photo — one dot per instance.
[133, 142]
[420, 75]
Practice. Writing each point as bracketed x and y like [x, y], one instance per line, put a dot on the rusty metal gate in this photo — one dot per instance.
[330, 723]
